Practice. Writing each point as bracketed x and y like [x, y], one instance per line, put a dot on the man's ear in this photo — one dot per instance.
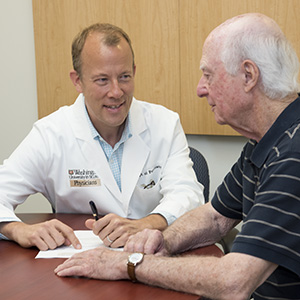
[251, 73]
[76, 81]
[134, 70]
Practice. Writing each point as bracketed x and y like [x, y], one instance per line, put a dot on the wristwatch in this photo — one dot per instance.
[133, 260]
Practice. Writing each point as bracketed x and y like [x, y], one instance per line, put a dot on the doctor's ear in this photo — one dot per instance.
[74, 76]
[134, 70]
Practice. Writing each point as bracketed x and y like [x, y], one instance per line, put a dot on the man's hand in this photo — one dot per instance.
[99, 263]
[114, 231]
[148, 242]
[47, 235]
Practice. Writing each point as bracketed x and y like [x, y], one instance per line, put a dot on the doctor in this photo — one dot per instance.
[130, 157]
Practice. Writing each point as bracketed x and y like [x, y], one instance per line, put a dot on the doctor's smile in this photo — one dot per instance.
[114, 108]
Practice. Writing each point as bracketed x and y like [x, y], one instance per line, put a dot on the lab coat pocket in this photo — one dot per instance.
[148, 189]
[148, 194]
[150, 178]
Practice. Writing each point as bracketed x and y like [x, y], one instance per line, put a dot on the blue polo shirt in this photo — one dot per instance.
[263, 190]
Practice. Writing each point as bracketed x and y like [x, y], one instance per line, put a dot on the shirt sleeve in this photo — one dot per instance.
[22, 174]
[179, 187]
[267, 199]
[271, 228]
[227, 199]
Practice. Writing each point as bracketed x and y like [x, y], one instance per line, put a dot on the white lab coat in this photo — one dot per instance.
[61, 160]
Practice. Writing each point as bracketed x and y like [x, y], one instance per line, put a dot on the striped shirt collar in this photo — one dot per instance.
[285, 120]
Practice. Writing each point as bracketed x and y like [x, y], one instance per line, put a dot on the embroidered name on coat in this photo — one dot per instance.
[83, 178]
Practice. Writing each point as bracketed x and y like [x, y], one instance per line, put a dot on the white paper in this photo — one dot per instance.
[87, 239]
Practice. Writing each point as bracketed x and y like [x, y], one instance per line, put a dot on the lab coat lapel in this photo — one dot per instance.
[91, 148]
[135, 154]
[101, 167]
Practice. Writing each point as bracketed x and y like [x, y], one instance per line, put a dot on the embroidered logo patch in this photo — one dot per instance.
[83, 178]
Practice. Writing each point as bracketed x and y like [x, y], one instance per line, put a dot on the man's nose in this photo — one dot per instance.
[201, 88]
[115, 90]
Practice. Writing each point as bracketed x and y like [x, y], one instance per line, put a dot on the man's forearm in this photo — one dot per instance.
[173, 273]
[7, 228]
[154, 221]
[194, 229]
[213, 277]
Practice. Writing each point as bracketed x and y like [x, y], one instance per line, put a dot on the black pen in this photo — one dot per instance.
[94, 210]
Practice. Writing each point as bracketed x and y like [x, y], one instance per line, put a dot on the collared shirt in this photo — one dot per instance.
[263, 189]
[113, 154]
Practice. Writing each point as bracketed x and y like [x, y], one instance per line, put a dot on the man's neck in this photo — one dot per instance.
[112, 135]
[264, 116]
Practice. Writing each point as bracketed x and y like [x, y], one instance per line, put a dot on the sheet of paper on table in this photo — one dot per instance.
[87, 239]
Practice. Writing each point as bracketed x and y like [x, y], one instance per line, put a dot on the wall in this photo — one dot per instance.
[19, 99]
[17, 83]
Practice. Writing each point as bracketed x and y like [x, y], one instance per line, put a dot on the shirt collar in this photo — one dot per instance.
[125, 135]
[285, 120]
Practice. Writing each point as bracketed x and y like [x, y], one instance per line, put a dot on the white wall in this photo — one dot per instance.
[19, 99]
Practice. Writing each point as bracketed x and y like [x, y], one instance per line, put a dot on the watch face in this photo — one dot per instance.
[136, 257]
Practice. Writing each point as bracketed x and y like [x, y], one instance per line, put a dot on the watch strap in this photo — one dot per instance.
[131, 271]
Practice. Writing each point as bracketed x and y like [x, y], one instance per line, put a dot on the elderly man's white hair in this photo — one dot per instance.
[258, 38]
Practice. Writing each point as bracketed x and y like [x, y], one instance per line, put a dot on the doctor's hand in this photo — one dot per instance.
[114, 230]
[47, 235]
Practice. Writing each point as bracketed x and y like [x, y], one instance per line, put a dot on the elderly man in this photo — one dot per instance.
[130, 157]
[250, 81]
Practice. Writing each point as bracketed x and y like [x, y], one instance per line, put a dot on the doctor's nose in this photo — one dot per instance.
[115, 91]
[201, 88]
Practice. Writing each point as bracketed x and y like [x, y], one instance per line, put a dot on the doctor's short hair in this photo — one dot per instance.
[270, 50]
[111, 37]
